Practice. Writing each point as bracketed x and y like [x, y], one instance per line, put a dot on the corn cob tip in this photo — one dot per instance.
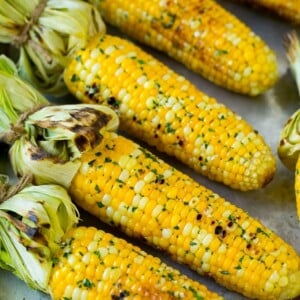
[292, 290]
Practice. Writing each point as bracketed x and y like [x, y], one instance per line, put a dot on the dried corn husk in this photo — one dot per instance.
[45, 34]
[33, 222]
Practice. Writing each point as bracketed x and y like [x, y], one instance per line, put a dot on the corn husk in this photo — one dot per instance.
[16, 96]
[56, 32]
[33, 223]
[55, 138]
[47, 141]
[289, 144]
[292, 44]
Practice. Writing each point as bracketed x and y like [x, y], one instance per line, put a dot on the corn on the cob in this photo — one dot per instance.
[96, 265]
[202, 35]
[37, 228]
[162, 108]
[127, 186]
[287, 9]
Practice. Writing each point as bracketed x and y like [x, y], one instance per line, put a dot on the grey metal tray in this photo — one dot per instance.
[273, 205]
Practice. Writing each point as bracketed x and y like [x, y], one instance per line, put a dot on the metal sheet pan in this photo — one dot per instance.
[273, 205]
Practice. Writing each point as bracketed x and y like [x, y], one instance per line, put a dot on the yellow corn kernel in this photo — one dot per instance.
[203, 36]
[211, 235]
[200, 132]
[135, 276]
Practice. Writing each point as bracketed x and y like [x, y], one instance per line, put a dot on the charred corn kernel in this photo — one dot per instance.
[289, 10]
[114, 269]
[193, 225]
[297, 187]
[203, 36]
[184, 123]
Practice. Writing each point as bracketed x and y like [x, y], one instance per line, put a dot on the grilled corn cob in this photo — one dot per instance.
[37, 228]
[128, 187]
[162, 108]
[202, 35]
[147, 198]
[288, 9]
[96, 265]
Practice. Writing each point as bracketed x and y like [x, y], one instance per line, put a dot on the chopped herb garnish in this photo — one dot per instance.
[169, 128]
[66, 254]
[85, 283]
[220, 52]
[74, 78]
[195, 294]
[259, 230]
[97, 253]
[90, 163]
[97, 188]
[100, 204]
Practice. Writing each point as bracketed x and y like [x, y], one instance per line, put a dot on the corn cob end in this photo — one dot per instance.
[292, 290]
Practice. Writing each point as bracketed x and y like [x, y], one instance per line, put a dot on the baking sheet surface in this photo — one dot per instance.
[273, 205]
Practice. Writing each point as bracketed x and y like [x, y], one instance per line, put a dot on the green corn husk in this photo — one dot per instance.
[57, 31]
[289, 144]
[55, 135]
[37, 126]
[293, 55]
[32, 225]
[12, 87]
